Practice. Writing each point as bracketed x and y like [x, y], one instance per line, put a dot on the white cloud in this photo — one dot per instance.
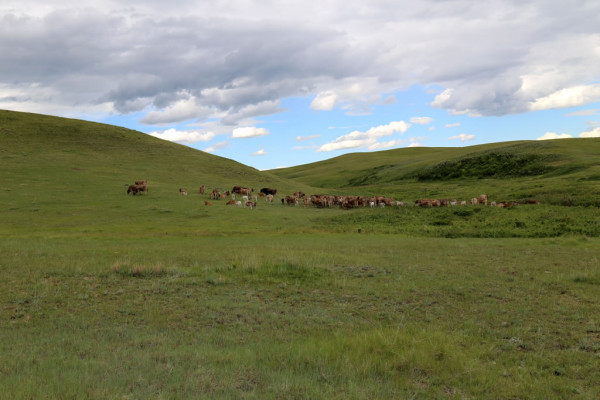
[173, 135]
[594, 133]
[583, 113]
[553, 135]
[385, 145]
[568, 97]
[415, 144]
[248, 132]
[389, 100]
[182, 110]
[260, 152]
[216, 146]
[421, 120]
[454, 125]
[463, 137]
[305, 147]
[359, 139]
[301, 138]
[325, 101]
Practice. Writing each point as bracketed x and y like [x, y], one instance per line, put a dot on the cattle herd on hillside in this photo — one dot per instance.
[242, 196]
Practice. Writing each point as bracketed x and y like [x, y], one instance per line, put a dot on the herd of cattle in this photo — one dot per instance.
[247, 198]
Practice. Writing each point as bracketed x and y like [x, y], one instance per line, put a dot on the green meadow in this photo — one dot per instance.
[158, 296]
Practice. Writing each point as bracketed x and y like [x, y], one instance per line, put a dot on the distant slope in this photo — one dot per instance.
[51, 153]
[497, 160]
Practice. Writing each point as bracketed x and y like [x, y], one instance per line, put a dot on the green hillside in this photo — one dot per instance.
[558, 171]
[58, 156]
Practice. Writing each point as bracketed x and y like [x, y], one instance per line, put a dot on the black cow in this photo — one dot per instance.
[267, 191]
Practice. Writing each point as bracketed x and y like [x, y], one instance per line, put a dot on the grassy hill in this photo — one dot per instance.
[59, 153]
[565, 171]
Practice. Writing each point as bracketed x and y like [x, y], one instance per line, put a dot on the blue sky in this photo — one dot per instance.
[275, 84]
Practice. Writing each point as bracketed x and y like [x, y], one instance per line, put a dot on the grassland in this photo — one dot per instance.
[106, 295]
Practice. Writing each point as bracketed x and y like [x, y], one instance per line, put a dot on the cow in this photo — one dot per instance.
[134, 189]
[531, 201]
[215, 194]
[423, 203]
[305, 201]
[251, 204]
[183, 191]
[299, 195]
[202, 189]
[143, 185]
[291, 200]
[206, 203]
[269, 198]
[267, 191]
[483, 199]
[230, 203]
[242, 190]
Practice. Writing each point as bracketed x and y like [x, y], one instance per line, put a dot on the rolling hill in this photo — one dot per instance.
[55, 157]
[50, 154]
[558, 171]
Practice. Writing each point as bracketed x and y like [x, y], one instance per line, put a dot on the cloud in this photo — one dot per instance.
[553, 135]
[454, 125]
[263, 108]
[583, 113]
[174, 135]
[389, 100]
[301, 138]
[357, 139]
[421, 120]
[594, 133]
[216, 147]
[325, 101]
[305, 147]
[182, 110]
[260, 152]
[235, 60]
[569, 97]
[462, 137]
[248, 132]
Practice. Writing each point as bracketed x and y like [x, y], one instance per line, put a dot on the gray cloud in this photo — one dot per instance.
[234, 61]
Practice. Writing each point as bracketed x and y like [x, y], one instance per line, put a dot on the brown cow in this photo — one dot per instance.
[230, 203]
[423, 203]
[143, 185]
[206, 203]
[134, 189]
[202, 189]
[242, 190]
[183, 191]
[291, 200]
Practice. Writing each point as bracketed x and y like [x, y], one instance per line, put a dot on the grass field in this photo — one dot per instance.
[158, 296]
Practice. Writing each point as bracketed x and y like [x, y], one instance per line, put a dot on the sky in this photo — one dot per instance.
[275, 84]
